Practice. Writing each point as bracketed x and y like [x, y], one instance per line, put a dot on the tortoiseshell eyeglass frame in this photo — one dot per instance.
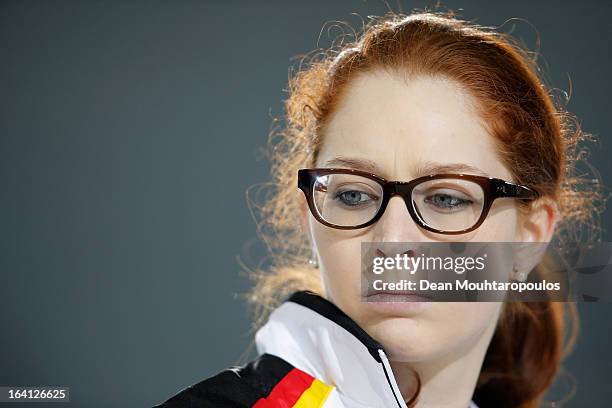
[492, 188]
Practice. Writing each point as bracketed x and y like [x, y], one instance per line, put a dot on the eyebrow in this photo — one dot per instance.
[423, 168]
[428, 167]
[354, 163]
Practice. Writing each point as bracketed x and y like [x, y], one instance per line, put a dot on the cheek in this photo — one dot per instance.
[500, 225]
[339, 262]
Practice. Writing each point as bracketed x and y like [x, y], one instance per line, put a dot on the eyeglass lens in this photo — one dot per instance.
[446, 204]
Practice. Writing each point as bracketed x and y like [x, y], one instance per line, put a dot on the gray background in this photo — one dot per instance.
[129, 133]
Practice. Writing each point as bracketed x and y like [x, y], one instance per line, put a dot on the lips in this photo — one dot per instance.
[398, 296]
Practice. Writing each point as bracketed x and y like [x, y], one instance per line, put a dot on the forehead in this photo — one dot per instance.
[400, 123]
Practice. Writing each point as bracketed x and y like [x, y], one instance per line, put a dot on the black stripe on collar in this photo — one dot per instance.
[332, 312]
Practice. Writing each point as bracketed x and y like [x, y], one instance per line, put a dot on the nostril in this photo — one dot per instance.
[380, 253]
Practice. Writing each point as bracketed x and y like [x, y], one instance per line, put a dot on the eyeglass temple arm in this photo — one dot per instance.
[305, 181]
[506, 189]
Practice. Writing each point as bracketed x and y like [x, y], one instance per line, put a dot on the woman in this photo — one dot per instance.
[413, 96]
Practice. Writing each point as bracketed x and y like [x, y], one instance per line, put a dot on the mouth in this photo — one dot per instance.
[398, 303]
[398, 296]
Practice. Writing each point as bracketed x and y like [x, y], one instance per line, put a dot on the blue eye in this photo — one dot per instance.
[447, 201]
[353, 198]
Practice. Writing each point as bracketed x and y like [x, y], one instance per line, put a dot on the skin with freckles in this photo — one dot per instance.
[401, 128]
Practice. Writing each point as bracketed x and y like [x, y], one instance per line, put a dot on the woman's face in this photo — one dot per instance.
[393, 127]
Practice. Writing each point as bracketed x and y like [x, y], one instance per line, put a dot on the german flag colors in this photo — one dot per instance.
[296, 389]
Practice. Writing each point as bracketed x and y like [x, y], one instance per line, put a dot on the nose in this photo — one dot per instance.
[395, 233]
[396, 224]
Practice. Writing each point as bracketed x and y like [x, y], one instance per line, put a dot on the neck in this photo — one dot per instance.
[448, 381]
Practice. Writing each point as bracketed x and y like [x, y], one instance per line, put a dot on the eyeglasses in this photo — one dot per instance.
[441, 203]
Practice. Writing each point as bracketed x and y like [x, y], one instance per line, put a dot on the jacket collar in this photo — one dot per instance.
[316, 336]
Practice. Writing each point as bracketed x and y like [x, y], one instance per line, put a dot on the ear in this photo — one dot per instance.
[305, 222]
[534, 232]
[304, 214]
[538, 224]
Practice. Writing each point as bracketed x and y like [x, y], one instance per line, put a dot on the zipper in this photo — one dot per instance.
[391, 379]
